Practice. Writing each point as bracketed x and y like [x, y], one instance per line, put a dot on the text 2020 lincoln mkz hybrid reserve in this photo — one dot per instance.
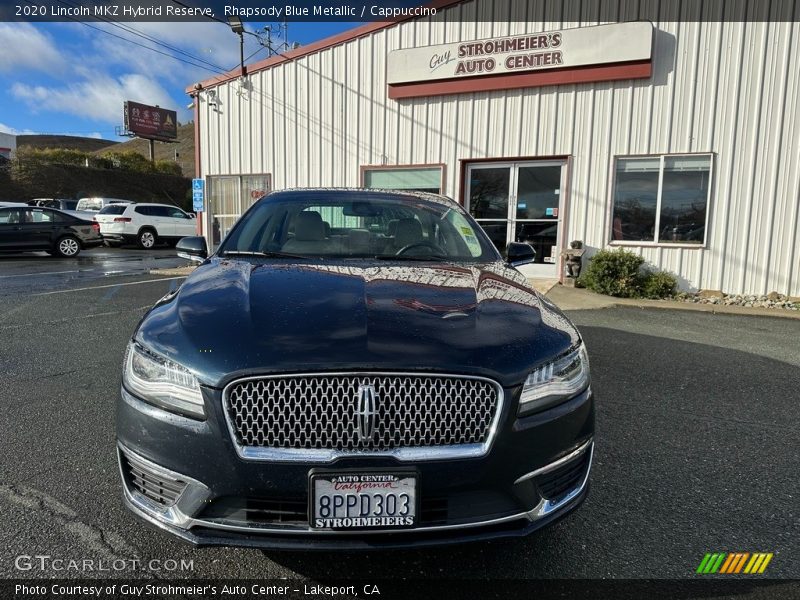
[351, 369]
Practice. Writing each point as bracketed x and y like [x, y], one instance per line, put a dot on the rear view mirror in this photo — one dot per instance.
[193, 248]
[520, 254]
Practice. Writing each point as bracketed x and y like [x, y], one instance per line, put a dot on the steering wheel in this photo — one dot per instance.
[436, 249]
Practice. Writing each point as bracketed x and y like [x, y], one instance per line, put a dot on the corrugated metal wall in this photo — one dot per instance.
[731, 88]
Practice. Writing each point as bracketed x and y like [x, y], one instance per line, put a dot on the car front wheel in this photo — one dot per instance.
[147, 239]
[68, 247]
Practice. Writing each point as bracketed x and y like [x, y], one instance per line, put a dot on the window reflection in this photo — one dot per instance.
[680, 207]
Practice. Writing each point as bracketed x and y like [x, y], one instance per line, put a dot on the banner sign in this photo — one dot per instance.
[509, 55]
[151, 122]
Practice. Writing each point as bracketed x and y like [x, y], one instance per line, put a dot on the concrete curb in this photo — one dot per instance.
[174, 271]
[580, 299]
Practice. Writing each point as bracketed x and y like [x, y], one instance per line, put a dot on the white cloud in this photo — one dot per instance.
[98, 97]
[213, 43]
[13, 131]
[26, 47]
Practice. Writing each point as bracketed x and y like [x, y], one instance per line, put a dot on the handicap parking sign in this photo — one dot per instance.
[198, 189]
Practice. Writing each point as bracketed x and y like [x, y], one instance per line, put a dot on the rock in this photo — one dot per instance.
[711, 294]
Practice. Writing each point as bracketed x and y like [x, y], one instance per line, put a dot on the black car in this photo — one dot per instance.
[30, 229]
[59, 203]
[351, 369]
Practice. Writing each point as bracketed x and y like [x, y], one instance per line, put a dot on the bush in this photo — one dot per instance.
[619, 273]
[130, 161]
[614, 273]
[169, 167]
[658, 284]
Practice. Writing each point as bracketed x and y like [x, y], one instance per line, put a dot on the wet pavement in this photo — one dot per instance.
[697, 437]
[38, 272]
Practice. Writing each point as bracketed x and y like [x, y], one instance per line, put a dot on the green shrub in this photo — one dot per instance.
[169, 167]
[53, 156]
[614, 273]
[130, 161]
[619, 273]
[658, 284]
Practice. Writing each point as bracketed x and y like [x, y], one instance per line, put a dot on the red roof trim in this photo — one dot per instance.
[314, 47]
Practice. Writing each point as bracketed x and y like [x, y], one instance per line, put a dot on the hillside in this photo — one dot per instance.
[64, 141]
[184, 146]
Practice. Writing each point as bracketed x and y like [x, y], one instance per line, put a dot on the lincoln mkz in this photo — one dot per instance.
[354, 369]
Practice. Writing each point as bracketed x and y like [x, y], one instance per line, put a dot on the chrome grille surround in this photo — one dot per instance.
[156, 484]
[313, 417]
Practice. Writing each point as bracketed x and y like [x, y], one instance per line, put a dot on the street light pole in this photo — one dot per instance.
[238, 27]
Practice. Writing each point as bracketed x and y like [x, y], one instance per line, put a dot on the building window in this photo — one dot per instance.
[228, 196]
[419, 179]
[661, 199]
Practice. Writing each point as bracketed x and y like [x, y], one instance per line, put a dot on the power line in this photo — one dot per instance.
[130, 41]
[129, 29]
[213, 18]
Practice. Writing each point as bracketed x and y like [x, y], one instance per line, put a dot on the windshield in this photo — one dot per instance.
[348, 225]
[90, 204]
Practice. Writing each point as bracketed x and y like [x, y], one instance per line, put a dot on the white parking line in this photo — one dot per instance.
[100, 287]
[48, 273]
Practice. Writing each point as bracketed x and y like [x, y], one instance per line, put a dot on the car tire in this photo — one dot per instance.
[67, 247]
[147, 239]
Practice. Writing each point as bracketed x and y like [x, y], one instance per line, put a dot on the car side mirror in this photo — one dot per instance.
[518, 254]
[192, 248]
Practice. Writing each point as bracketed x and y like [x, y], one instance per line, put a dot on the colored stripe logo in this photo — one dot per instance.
[734, 562]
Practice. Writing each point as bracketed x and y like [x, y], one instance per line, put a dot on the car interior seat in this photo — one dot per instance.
[309, 235]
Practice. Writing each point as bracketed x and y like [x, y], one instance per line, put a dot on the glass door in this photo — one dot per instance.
[228, 197]
[520, 202]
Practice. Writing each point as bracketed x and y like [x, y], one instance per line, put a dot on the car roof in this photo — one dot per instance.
[430, 197]
[11, 204]
[155, 204]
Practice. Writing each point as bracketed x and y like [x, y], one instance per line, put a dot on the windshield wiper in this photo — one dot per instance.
[261, 254]
[418, 257]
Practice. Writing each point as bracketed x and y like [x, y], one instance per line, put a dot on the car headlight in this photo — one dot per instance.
[555, 381]
[162, 382]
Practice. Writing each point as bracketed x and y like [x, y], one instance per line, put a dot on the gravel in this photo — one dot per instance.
[771, 300]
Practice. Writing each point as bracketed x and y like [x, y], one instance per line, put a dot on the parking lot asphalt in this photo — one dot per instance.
[696, 449]
[37, 272]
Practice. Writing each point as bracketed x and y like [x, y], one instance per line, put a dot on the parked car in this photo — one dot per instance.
[28, 229]
[95, 204]
[59, 203]
[352, 369]
[144, 224]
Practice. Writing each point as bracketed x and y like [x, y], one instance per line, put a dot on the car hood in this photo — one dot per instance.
[236, 317]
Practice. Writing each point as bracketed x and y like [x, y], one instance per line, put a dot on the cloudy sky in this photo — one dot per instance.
[72, 78]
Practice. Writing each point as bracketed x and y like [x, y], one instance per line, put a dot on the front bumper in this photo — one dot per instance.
[496, 495]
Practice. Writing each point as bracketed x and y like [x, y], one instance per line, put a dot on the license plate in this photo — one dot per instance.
[376, 500]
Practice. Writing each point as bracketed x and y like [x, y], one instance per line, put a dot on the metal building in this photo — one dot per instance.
[8, 144]
[670, 128]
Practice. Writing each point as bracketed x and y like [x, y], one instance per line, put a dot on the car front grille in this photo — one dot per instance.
[362, 412]
[150, 482]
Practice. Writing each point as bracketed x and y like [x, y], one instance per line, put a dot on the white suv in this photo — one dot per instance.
[144, 224]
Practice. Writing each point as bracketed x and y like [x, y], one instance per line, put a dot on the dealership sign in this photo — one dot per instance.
[413, 70]
[151, 122]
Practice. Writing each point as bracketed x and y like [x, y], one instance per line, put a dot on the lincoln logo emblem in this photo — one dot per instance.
[366, 412]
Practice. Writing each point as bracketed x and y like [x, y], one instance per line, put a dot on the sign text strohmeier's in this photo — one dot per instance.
[566, 49]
